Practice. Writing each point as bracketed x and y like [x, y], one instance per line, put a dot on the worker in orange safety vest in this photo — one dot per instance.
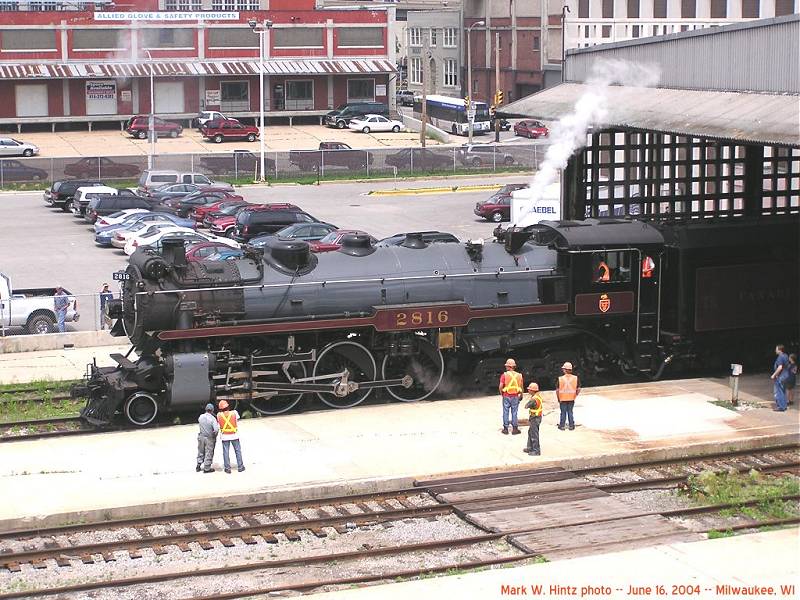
[603, 272]
[229, 428]
[648, 266]
[510, 388]
[568, 389]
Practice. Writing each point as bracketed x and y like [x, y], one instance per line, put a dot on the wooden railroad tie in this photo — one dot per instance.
[227, 542]
[184, 547]
[252, 521]
[317, 531]
[205, 544]
[135, 553]
[63, 561]
[14, 567]
[85, 559]
[363, 507]
[248, 539]
[109, 556]
[291, 535]
[341, 529]
[159, 550]
[269, 538]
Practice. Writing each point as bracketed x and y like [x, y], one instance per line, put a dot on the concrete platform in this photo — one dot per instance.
[58, 364]
[370, 448]
[764, 560]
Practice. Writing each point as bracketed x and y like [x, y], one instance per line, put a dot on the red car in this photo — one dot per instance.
[223, 222]
[199, 213]
[531, 129]
[203, 250]
[498, 207]
[333, 241]
[100, 167]
[229, 129]
[138, 126]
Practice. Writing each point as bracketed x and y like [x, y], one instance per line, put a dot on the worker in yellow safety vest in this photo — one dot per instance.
[534, 405]
[229, 428]
[510, 388]
[568, 389]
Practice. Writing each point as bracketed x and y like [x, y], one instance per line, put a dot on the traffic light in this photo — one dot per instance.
[498, 97]
[466, 102]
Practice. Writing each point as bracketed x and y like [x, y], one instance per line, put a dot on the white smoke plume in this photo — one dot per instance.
[569, 134]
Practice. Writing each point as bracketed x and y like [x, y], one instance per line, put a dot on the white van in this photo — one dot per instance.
[153, 179]
[83, 195]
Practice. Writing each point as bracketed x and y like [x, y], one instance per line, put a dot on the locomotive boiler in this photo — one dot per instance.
[283, 324]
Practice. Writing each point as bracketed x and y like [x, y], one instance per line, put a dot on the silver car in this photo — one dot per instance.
[12, 147]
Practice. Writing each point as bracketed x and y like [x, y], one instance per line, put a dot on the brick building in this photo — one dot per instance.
[66, 61]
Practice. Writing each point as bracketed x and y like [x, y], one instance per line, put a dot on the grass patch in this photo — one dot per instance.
[15, 410]
[738, 488]
[40, 387]
[713, 535]
[725, 404]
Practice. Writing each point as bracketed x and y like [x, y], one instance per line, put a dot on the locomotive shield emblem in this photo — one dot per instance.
[605, 303]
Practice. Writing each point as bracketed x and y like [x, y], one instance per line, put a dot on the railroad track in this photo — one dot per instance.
[35, 429]
[480, 500]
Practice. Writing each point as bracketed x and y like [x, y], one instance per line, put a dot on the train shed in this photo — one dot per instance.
[716, 136]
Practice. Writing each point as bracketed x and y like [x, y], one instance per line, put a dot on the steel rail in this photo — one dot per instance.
[36, 435]
[37, 400]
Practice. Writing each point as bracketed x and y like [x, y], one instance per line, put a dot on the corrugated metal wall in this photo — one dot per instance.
[758, 56]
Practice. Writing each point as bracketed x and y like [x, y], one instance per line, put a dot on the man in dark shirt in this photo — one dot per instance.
[105, 297]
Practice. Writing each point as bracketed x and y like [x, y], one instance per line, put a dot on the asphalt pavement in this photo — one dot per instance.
[41, 246]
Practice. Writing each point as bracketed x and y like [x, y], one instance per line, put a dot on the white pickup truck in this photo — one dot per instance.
[31, 309]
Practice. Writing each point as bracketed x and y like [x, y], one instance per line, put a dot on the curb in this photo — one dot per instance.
[321, 490]
[436, 190]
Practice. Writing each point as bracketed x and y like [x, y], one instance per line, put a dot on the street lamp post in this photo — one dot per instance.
[564, 10]
[261, 29]
[470, 120]
[151, 130]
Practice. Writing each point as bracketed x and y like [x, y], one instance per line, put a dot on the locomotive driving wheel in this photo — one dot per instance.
[351, 357]
[426, 368]
[273, 402]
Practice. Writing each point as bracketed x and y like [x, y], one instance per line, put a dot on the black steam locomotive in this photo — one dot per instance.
[282, 324]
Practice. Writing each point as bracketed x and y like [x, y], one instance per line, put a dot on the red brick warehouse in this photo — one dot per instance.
[67, 61]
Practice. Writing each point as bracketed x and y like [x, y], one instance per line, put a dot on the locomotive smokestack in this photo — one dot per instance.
[174, 252]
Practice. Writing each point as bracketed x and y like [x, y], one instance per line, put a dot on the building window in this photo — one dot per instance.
[784, 7]
[42, 6]
[231, 37]
[719, 9]
[450, 39]
[583, 9]
[297, 37]
[660, 9]
[231, 5]
[633, 9]
[433, 37]
[750, 9]
[168, 37]
[608, 9]
[360, 89]
[415, 72]
[415, 36]
[96, 39]
[360, 37]
[450, 73]
[299, 94]
[183, 5]
[27, 39]
[536, 45]
[234, 95]
[688, 9]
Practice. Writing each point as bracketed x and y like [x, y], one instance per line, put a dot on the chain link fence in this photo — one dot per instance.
[243, 165]
[34, 314]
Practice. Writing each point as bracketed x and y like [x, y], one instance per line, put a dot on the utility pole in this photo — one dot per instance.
[425, 66]
[496, 85]
[564, 10]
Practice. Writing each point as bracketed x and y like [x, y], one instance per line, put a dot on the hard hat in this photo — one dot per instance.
[209, 406]
[567, 366]
[223, 404]
[533, 387]
[511, 362]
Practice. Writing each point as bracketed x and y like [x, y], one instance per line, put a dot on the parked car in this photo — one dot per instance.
[270, 218]
[229, 129]
[101, 167]
[146, 217]
[429, 237]
[479, 155]
[223, 222]
[172, 190]
[405, 98]
[11, 147]
[297, 231]
[202, 250]
[184, 205]
[420, 159]
[106, 204]
[119, 236]
[225, 254]
[60, 194]
[505, 125]
[340, 117]
[139, 125]
[333, 241]
[117, 217]
[331, 154]
[83, 195]
[32, 309]
[531, 129]
[239, 161]
[208, 115]
[497, 207]
[152, 179]
[199, 213]
[15, 170]
[152, 239]
[369, 123]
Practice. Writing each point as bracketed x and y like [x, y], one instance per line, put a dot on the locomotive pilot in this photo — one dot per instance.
[510, 388]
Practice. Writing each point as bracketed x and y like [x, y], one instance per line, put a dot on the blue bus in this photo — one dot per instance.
[449, 114]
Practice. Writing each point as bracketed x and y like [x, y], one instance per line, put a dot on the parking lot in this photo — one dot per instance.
[41, 246]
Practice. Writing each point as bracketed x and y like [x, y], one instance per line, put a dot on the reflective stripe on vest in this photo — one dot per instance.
[227, 422]
[536, 409]
[567, 388]
[513, 386]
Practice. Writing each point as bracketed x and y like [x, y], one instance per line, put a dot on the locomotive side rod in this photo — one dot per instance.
[339, 388]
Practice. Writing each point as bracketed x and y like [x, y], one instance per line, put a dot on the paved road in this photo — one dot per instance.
[41, 246]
